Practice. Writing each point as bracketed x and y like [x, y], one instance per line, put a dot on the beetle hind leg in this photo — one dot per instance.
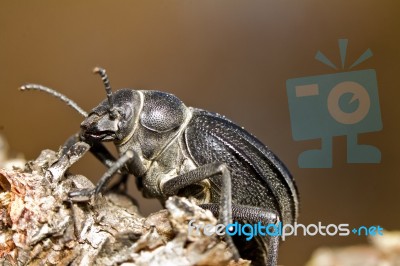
[250, 214]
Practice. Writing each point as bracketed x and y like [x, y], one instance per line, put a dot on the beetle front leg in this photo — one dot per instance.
[104, 156]
[172, 186]
[96, 148]
[69, 143]
[129, 156]
[101, 153]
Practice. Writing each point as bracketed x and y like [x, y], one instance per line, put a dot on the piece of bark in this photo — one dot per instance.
[40, 225]
[382, 251]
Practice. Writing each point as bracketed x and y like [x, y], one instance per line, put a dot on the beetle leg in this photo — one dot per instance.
[121, 185]
[102, 154]
[112, 170]
[69, 143]
[172, 186]
[96, 148]
[81, 195]
[252, 214]
[128, 156]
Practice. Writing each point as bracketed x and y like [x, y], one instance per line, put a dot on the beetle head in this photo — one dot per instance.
[104, 125]
[112, 119]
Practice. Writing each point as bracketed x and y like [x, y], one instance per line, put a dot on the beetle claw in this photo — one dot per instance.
[82, 195]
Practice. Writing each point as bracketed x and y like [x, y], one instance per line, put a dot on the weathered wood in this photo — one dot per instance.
[39, 225]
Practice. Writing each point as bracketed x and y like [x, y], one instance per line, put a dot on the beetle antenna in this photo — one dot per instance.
[56, 94]
[106, 82]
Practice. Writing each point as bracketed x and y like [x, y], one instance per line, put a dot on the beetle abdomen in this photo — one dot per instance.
[259, 178]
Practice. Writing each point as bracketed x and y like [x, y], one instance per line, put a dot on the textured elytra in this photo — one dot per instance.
[258, 177]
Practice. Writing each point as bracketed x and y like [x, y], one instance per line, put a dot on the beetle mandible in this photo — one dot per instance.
[172, 149]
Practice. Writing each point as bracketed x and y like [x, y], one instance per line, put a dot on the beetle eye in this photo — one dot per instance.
[162, 112]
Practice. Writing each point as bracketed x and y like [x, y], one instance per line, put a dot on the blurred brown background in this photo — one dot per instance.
[231, 57]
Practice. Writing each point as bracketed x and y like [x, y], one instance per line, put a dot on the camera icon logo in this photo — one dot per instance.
[339, 104]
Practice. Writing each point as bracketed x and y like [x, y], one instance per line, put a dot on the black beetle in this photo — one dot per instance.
[172, 149]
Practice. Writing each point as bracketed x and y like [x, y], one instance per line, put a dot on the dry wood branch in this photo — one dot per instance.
[39, 225]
